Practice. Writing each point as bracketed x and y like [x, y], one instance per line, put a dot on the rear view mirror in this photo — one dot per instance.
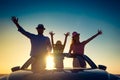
[102, 67]
[15, 68]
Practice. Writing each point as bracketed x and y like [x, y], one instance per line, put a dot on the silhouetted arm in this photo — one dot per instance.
[51, 34]
[20, 29]
[66, 35]
[91, 38]
[49, 48]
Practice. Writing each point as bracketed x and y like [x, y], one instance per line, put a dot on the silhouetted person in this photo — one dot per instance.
[58, 49]
[77, 48]
[40, 46]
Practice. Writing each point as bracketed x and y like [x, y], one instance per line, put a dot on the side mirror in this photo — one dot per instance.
[15, 68]
[102, 67]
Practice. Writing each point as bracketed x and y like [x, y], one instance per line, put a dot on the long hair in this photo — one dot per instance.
[75, 39]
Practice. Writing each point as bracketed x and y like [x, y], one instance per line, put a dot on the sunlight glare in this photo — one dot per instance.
[49, 62]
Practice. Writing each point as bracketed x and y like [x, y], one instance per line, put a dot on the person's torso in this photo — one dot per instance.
[78, 48]
[38, 44]
[58, 49]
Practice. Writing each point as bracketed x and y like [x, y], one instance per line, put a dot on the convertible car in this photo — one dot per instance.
[92, 73]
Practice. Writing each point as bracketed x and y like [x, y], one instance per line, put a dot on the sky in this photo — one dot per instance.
[61, 16]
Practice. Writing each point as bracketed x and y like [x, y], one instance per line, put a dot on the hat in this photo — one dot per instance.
[40, 26]
[75, 33]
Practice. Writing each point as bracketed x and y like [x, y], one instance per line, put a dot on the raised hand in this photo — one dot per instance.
[51, 33]
[99, 32]
[67, 34]
[14, 19]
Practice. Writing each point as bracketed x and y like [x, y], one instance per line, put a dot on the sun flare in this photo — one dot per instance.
[50, 62]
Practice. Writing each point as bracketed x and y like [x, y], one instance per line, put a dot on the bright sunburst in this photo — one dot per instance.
[49, 62]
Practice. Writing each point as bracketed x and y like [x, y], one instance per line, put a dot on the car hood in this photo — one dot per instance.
[91, 74]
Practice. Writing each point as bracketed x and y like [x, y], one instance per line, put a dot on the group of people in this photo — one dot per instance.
[41, 47]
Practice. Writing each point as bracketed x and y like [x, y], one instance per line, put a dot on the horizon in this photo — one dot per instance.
[61, 16]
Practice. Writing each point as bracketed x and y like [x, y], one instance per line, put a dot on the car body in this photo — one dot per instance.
[93, 73]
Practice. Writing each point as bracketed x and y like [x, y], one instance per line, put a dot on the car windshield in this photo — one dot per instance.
[89, 63]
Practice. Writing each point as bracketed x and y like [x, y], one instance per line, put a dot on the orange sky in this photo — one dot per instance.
[61, 16]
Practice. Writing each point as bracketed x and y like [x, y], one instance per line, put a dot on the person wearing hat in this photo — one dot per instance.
[40, 46]
[77, 48]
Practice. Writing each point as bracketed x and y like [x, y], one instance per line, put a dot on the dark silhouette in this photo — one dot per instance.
[77, 48]
[58, 49]
[40, 46]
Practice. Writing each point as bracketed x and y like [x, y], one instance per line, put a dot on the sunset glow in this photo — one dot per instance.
[61, 16]
[49, 62]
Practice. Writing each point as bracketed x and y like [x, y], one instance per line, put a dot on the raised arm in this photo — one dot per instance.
[51, 34]
[91, 38]
[66, 35]
[20, 29]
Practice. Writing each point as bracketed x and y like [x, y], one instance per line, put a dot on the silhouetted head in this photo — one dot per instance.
[40, 28]
[58, 42]
[75, 36]
[59, 46]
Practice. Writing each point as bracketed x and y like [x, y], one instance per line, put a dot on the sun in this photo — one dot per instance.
[50, 62]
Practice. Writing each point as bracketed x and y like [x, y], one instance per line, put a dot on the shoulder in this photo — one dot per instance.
[84, 42]
[46, 37]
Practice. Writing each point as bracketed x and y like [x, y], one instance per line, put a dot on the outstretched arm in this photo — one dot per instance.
[66, 35]
[91, 38]
[20, 29]
[51, 34]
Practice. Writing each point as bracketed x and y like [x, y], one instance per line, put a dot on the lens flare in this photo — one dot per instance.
[49, 62]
